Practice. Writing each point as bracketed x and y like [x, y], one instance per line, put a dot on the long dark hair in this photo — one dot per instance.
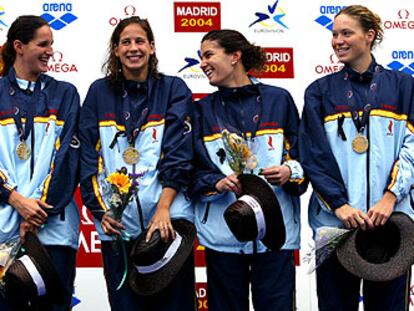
[112, 67]
[253, 56]
[22, 29]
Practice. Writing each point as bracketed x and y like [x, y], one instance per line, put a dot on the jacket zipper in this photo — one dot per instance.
[205, 217]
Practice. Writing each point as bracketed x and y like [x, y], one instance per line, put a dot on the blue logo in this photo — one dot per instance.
[75, 301]
[191, 62]
[271, 17]
[400, 60]
[328, 13]
[58, 23]
[2, 12]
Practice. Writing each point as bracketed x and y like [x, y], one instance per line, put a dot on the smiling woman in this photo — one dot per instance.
[37, 179]
[359, 184]
[148, 135]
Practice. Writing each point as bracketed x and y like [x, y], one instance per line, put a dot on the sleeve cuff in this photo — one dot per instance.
[5, 192]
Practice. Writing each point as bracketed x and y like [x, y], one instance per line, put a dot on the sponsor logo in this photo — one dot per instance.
[412, 295]
[402, 61]
[403, 21]
[334, 65]
[89, 253]
[271, 19]
[2, 24]
[58, 65]
[61, 21]
[191, 69]
[197, 16]
[279, 64]
[201, 292]
[389, 128]
[129, 11]
[328, 13]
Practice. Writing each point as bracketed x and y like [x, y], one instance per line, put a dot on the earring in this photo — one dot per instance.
[233, 63]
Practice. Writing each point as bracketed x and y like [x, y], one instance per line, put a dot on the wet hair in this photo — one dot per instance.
[23, 29]
[253, 56]
[367, 19]
[112, 66]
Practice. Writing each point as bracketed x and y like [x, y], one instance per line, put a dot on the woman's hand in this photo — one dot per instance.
[353, 217]
[276, 175]
[110, 226]
[229, 183]
[161, 219]
[383, 209]
[25, 227]
[30, 209]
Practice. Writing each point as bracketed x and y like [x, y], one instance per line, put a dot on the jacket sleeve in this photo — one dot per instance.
[175, 166]
[5, 187]
[89, 156]
[316, 155]
[297, 183]
[63, 178]
[206, 174]
[401, 177]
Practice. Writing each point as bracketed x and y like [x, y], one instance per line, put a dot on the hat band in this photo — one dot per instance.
[169, 254]
[258, 214]
[35, 275]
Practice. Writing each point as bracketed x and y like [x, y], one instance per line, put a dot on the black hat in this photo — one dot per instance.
[381, 254]
[33, 275]
[256, 214]
[154, 264]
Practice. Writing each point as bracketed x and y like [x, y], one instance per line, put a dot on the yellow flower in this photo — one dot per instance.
[120, 181]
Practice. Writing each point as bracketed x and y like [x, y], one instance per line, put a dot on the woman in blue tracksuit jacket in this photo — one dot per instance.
[159, 108]
[268, 115]
[39, 150]
[357, 147]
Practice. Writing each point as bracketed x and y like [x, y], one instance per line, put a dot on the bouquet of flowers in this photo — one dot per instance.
[8, 253]
[327, 239]
[238, 153]
[122, 189]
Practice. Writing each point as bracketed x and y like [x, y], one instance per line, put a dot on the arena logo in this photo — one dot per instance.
[191, 69]
[62, 21]
[403, 21]
[328, 13]
[402, 61]
[272, 19]
[58, 65]
[197, 16]
[129, 11]
[334, 65]
[279, 64]
[2, 24]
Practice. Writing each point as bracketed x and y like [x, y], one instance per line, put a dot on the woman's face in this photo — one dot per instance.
[134, 52]
[33, 57]
[217, 65]
[351, 44]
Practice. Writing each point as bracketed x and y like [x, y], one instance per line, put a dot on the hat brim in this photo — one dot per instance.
[398, 264]
[55, 292]
[152, 283]
[275, 227]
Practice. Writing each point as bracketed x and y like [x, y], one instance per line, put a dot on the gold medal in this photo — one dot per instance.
[23, 150]
[360, 143]
[131, 155]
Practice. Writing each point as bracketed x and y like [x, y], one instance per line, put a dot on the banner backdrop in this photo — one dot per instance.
[295, 34]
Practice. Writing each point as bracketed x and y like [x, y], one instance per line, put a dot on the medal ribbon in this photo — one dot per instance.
[131, 131]
[361, 122]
